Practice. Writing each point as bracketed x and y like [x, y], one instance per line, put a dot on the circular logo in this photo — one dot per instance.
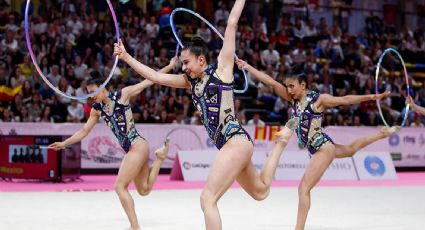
[394, 140]
[374, 165]
[210, 143]
[187, 165]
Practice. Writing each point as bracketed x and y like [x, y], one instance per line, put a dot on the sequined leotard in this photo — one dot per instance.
[214, 100]
[307, 122]
[120, 121]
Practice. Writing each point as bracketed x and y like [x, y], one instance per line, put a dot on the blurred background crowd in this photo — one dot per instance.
[72, 38]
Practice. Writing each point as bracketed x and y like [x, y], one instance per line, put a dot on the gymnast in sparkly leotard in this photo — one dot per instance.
[309, 123]
[212, 94]
[214, 99]
[114, 109]
[306, 121]
[120, 120]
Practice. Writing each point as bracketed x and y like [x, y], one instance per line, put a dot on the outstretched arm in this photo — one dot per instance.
[329, 101]
[133, 90]
[80, 134]
[414, 106]
[226, 56]
[278, 88]
[171, 80]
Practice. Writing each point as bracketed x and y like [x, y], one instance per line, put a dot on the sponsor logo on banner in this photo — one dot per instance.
[397, 156]
[409, 140]
[421, 140]
[191, 137]
[394, 140]
[374, 165]
[210, 143]
[341, 169]
[197, 163]
[292, 166]
[340, 166]
[187, 165]
[200, 165]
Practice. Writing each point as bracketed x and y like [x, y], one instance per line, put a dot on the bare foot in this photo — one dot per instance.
[387, 131]
[284, 135]
[162, 152]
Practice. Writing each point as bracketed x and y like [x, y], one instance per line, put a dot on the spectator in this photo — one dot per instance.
[256, 120]
[75, 112]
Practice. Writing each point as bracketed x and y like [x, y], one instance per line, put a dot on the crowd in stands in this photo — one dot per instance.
[72, 38]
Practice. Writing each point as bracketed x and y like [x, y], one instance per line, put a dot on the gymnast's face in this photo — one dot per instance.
[100, 96]
[193, 65]
[295, 88]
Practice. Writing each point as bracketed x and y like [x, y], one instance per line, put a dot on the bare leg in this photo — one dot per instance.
[146, 178]
[229, 162]
[342, 151]
[258, 185]
[316, 168]
[130, 167]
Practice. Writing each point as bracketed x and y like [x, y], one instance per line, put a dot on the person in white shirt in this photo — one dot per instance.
[221, 14]
[310, 29]
[204, 32]
[80, 69]
[9, 42]
[81, 91]
[152, 28]
[54, 76]
[75, 112]
[75, 24]
[270, 56]
[256, 120]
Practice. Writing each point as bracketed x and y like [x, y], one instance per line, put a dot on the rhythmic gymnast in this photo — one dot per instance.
[414, 106]
[212, 94]
[308, 107]
[114, 108]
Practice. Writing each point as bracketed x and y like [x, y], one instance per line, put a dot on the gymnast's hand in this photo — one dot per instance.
[57, 146]
[173, 62]
[241, 63]
[383, 95]
[119, 50]
[410, 101]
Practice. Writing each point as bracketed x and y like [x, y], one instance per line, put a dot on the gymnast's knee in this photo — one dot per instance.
[208, 199]
[261, 195]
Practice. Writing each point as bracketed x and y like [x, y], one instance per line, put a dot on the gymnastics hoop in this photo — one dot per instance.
[173, 28]
[378, 67]
[34, 60]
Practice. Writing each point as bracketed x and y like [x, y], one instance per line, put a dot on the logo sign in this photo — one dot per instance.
[394, 140]
[375, 165]
[196, 164]
[293, 164]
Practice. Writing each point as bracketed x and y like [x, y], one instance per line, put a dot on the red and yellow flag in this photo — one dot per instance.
[272, 131]
[7, 93]
[260, 133]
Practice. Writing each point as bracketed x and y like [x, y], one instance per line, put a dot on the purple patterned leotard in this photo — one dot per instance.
[120, 121]
[214, 100]
[307, 122]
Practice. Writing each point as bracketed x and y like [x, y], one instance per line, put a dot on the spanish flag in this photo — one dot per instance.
[260, 133]
[7, 93]
[272, 131]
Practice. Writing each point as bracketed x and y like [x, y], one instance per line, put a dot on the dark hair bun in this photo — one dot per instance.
[96, 78]
[199, 42]
[197, 46]
[95, 74]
